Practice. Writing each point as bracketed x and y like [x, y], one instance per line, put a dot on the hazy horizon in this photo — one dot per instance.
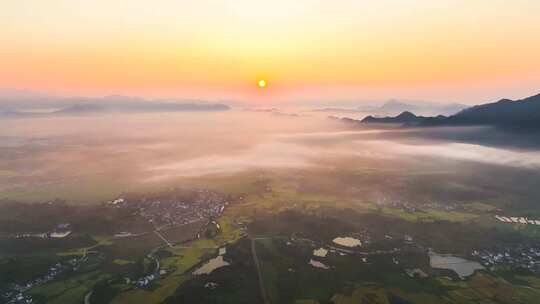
[269, 152]
[130, 150]
[454, 51]
[14, 95]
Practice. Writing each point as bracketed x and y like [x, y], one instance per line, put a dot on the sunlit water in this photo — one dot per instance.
[462, 267]
[318, 264]
[211, 265]
[347, 241]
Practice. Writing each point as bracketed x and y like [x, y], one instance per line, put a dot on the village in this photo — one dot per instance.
[16, 293]
[517, 220]
[181, 207]
[170, 211]
[61, 230]
[519, 257]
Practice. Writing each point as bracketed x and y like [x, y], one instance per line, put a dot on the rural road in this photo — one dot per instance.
[264, 296]
[87, 297]
[163, 238]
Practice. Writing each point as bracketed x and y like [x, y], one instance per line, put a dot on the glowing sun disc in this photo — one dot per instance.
[262, 83]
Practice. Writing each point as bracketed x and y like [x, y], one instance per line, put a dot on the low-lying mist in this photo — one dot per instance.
[52, 156]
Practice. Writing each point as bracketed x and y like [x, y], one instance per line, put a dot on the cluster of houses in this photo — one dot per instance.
[398, 203]
[409, 207]
[149, 278]
[145, 281]
[17, 298]
[519, 257]
[16, 292]
[60, 231]
[169, 211]
[116, 201]
[517, 220]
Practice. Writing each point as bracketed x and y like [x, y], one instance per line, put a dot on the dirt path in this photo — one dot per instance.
[87, 297]
[163, 238]
[264, 296]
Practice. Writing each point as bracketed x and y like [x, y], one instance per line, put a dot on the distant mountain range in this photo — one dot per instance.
[394, 107]
[523, 113]
[424, 108]
[337, 109]
[115, 103]
[403, 118]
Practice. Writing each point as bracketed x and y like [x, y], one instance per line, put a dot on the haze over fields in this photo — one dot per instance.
[86, 152]
[272, 152]
[102, 194]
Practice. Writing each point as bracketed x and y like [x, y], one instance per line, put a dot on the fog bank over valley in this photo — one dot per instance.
[117, 152]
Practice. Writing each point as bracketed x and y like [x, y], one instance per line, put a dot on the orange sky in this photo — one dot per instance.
[451, 50]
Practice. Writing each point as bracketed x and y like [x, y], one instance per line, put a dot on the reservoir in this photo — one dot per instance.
[462, 267]
[211, 265]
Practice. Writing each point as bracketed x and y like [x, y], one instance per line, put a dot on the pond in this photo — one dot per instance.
[321, 252]
[318, 264]
[347, 241]
[462, 267]
[211, 265]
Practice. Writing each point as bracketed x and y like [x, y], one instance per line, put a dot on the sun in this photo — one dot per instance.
[262, 83]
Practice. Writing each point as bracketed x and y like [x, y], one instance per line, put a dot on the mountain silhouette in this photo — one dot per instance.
[523, 113]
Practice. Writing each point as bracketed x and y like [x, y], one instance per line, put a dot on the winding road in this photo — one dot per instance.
[87, 297]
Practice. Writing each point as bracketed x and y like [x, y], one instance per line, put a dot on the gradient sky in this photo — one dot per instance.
[466, 51]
